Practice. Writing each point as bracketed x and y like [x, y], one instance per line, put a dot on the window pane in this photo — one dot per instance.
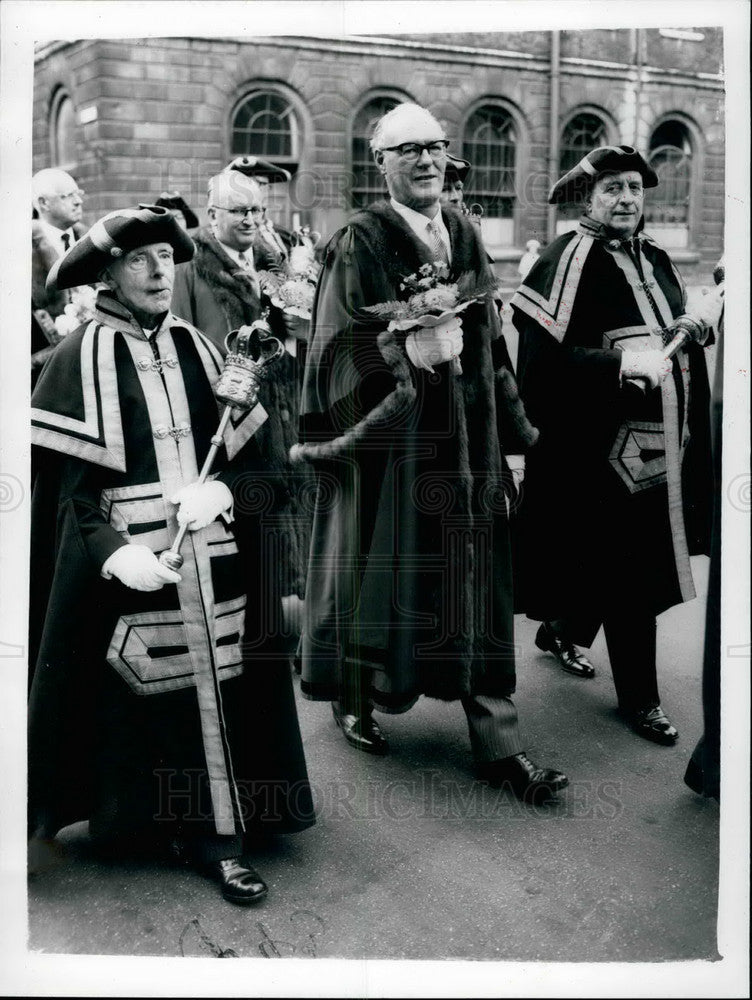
[582, 133]
[367, 183]
[265, 125]
[490, 144]
[64, 133]
[671, 157]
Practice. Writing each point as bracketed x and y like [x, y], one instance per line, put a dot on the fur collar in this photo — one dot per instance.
[232, 287]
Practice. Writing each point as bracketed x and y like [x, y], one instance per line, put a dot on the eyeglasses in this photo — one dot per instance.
[240, 213]
[72, 194]
[412, 151]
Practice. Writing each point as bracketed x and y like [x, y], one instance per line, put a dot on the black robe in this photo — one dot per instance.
[409, 572]
[214, 294]
[617, 490]
[174, 705]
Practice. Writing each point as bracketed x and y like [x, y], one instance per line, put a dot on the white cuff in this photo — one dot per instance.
[413, 353]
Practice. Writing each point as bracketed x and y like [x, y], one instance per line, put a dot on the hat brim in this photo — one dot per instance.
[114, 235]
[577, 182]
[457, 169]
[254, 166]
[177, 204]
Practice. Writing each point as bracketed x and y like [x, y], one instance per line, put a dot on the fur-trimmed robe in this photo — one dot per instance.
[217, 296]
[409, 572]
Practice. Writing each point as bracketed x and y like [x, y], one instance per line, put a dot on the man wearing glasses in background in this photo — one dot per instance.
[409, 582]
[58, 203]
[218, 291]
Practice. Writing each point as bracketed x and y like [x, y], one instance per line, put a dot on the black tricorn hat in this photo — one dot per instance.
[175, 201]
[112, 236]
[604, 159]
[254, 166]
[457, 169]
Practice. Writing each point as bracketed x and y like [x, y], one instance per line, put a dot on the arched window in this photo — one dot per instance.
[265, 124]
[489, 142]
[667, 207]
[583, 132]
[63, 131]
[368, 183]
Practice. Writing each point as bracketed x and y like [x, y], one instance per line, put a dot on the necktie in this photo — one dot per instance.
[437, 244]
[248, 268]
[66, 241]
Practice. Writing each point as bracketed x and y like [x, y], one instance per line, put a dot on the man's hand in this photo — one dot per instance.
[138, 568]
[705, 305]
[296, 326]
[429, 346]
[200, 503]
[651, 366]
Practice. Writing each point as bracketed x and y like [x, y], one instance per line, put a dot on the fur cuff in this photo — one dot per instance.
[392, 406]
[516, 432]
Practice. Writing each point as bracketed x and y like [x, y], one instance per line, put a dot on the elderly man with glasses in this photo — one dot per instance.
[218, 291]
[409, 582]
[58, 205]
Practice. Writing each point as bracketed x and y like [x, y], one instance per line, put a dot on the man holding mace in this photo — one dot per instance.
[161, 709]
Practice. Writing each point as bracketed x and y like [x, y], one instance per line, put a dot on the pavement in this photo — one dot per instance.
[412, 858]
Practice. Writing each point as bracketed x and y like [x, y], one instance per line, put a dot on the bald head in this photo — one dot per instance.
[57, 197]
[236, 207]
[409, 147]
[405, 119]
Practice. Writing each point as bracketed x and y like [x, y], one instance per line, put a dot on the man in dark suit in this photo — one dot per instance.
[58, 201]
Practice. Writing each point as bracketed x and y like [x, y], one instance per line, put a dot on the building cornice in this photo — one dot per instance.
[436, 52]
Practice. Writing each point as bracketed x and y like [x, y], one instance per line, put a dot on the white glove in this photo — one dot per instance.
[200, 503]
[704, 305]
[138, 568]
[649, 365]
[432, 345]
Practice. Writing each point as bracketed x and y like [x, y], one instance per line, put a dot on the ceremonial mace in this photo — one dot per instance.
[237, 387]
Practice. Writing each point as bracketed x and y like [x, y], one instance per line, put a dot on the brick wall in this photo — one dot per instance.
[163, 105]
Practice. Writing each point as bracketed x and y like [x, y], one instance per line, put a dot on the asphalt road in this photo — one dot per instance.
[411, 858]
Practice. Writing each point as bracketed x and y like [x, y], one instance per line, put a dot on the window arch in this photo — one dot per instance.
[265, 123]
[367, 181]
[62, 123]
[490, 141]
[668, 208]
[585, 130]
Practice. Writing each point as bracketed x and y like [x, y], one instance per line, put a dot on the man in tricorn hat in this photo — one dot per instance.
[176, 203]
[617, 489]
[160, 708]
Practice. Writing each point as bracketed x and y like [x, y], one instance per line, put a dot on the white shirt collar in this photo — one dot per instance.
[419, 222]
[247, 261]
[55, 235]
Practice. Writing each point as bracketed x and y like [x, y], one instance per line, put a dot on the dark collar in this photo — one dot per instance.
[589, 227]
[109, 311]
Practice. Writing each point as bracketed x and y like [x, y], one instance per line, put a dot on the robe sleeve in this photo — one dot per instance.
[356, 375]
[81, 488]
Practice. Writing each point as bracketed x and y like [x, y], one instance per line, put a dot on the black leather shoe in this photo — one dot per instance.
[238, 883]
[653, 724]
[526, 779]
[569, 656]
[361, 731]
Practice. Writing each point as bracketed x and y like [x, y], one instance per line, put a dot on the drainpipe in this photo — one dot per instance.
[638, 84]
[553, 129]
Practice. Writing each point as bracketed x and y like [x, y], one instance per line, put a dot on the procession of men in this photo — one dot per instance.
[392, 577]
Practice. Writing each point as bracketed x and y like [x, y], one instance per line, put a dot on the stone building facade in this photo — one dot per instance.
[132, 118]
